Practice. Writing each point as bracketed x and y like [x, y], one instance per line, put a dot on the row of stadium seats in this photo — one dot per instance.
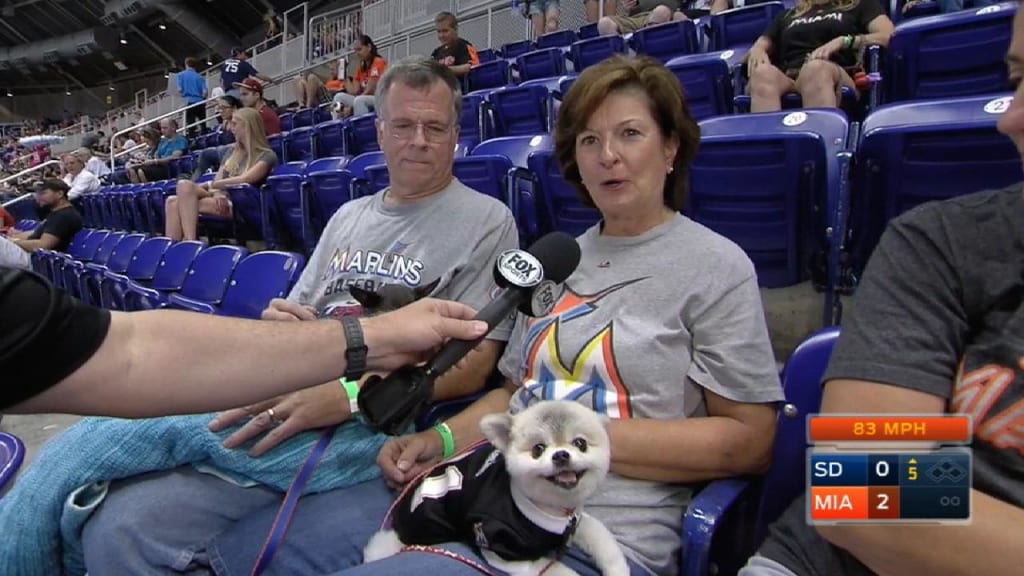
[806, 194]
[128, 272]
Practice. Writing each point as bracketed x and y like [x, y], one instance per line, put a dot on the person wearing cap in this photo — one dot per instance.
[251, 94]
[55, 233]
[237, 69]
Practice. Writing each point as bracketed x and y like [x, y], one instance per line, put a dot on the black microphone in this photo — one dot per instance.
[528, 280]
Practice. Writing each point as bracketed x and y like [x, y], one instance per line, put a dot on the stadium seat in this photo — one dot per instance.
[543, 63]
[361, 134]
[514, 49]
[487, 75]
[522, 187]
[774, 183]
[521, 110]
[666, 41]
[206, 279]
[331, 183]
[169, 276]
[299, 144]
[74, 269]
[706, 82]
[117, 263]
[12, 454]
[303, 117]
[486, 55]
[141, 268]
[277, 145]
[913, 152]
[288, 208]
[588, 31]
[474, 124]
[329, 139]
[727, 520]
[286, 121]
[256, 280]
[949, 55]
[555, 205]
[738, 28]
[584, 53]
[556, 39]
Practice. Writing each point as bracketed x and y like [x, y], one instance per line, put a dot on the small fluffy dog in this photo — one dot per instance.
[518, 501]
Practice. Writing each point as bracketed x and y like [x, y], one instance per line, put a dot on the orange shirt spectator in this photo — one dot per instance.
[372, 72]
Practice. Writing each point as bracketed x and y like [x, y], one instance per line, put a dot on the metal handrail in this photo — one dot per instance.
[29, 170]
[157, 119]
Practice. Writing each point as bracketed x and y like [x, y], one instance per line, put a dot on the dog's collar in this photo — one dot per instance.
[556, 522]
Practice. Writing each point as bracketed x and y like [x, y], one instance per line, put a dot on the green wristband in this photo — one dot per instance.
[352, 391]
[447, 440]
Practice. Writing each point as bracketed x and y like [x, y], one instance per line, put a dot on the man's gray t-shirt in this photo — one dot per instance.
[453, 237]
[940, 310]
[643, 326]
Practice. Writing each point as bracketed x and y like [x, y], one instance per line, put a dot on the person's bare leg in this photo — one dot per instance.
[591, 7]
[611, 7]
[819, 83]
[767, 85]
[659, 15]
[607, 27]
[172, 219]
[299, 87]
[538, 24]
[313, 84]
[188, 208]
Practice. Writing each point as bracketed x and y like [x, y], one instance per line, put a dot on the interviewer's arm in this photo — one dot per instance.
[992, 544]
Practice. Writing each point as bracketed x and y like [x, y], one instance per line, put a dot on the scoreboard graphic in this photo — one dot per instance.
[874, 469]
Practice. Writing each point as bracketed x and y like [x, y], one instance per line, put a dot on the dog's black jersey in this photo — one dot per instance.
[468, 499]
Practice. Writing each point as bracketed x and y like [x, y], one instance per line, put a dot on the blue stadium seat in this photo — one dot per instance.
[74, 270]
[957, 54]
[329, 139]
[330, 182]
[487, 174]
[12, 454]
[299, 144]
[117, 263]
[206, 280]
[169, 277]
[706, 82]
[521, 110]
[474, 124]
[666, 41]
[286, 121]
[143, 266]
[728, 519]
[303, 117]
[588, 31]
[277, 145]
[256, 280]
[584, 53]
[541, 64]
[489, 75]
[914, 152]
[556, 205]
[738, 28]
[556, 39]
[513, 49]
[774, 183]
[289, 209]
[486, 55]
[361, 134]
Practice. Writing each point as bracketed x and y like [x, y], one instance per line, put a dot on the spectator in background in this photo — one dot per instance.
[171, 145]
[94, 163]
[544, 15]
[946, 6]
[212, 157]
[458, 54]
[312, 91]
[236, 70]
[6, 220]
[192, 87]
[61, 224]
[79, 179]
[815, 49]
[250, 161]
[369, 68]
[251, 94]
[642, 13]
[593, 9]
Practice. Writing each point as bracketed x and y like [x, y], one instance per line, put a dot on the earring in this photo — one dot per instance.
[670, 169]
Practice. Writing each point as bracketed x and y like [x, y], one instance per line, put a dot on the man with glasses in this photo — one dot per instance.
[61, 224]
[427, 232]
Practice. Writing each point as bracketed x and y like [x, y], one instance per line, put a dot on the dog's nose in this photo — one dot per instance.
[561, 457]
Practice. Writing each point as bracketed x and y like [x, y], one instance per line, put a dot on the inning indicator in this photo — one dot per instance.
[916, 487]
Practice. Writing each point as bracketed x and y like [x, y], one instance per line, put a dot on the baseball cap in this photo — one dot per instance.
[251, 84]
[236, 50]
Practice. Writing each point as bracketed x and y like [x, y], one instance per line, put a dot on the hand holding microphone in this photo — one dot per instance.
[527, 280]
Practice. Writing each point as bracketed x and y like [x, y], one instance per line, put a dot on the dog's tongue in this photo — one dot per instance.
[566, 476]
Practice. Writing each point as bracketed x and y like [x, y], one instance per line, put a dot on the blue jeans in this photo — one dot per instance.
[186, 522]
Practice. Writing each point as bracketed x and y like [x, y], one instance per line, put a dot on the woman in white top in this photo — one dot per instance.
[79, 180]
[250, 161]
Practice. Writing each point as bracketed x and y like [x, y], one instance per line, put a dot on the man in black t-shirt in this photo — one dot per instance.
[938, 327]
[55, 233]
[454, 52]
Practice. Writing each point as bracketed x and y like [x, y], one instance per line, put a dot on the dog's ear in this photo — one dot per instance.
[368, 300]
[421, 292]
[497, 429]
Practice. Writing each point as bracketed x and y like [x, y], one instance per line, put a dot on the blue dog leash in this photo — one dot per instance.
[291, 499]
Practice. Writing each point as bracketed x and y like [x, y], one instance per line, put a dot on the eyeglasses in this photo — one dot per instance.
[433, 132]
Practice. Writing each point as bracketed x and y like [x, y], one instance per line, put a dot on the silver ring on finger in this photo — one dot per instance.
[274, 420]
